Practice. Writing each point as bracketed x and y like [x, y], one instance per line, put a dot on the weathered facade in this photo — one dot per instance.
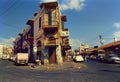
[46, 39]
[50, 37]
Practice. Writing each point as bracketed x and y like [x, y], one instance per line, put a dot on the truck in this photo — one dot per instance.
[21, 58]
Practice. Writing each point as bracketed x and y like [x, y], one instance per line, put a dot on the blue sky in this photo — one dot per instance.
[86, 19]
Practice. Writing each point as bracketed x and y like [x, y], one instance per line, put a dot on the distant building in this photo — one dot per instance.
[5, 51]
[113, 47]
[10, 51]
[83, 48]
[2, 46]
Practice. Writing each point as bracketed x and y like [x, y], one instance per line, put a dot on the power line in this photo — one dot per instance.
[14, 27]
[102, 33]
[10, 31]
[12, 4]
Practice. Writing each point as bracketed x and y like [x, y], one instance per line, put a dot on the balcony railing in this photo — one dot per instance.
[48, 24]
[50, 42]
[65, 42]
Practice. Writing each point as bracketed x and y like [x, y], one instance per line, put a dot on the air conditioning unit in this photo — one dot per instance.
[64, 33]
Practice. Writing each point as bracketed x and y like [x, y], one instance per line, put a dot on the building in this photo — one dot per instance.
[46, 39]
[5, 51]
[50, 36]
[83, 48]
[10, 51]
[24, 42]
[2, 46]
[113, 47]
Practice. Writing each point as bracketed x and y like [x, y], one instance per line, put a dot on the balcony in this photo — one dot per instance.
[65, 42]
[66, 45]
[64, 34]
[50, 42]
[47, 24]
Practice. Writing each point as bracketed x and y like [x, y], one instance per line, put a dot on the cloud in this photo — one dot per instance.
[117, 35]
[72, 4]
[48, 0]
[69, 4]
[7, 41]
[117, 25]
[75, 43]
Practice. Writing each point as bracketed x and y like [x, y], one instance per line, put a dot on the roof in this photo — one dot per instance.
[49, 4]
[35, 14]
[112, 44]
[30, 22]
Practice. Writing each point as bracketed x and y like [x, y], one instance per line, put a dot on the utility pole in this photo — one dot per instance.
[114, 39]
[101, 39]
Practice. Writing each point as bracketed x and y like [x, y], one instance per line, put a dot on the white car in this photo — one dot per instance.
[78, 58]
[113, 59]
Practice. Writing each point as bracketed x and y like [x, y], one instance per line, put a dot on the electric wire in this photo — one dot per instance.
[11, 6]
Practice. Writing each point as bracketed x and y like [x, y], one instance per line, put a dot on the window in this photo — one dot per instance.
[51, 18]
[40, 22]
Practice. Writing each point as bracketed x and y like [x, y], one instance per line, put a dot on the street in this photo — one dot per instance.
[91, 72]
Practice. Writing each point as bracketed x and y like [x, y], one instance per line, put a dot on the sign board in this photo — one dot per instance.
[65, 33]
[35, 49]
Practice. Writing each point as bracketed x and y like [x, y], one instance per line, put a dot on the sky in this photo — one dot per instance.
[86, 19]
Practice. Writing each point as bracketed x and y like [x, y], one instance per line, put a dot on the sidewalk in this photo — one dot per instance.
[64, 66]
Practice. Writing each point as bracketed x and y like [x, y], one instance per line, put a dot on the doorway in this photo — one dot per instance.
[52, 55]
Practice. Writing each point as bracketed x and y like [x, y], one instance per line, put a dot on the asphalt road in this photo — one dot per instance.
[92, 72]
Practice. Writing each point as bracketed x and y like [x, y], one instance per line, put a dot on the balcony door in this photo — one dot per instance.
[51, 17]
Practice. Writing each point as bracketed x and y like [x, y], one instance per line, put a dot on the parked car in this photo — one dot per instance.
[12, 58]
[113, 59]
[93, 57]
[101, 55]
[78, 58]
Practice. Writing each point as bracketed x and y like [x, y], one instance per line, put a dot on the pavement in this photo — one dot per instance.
[64, 66]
